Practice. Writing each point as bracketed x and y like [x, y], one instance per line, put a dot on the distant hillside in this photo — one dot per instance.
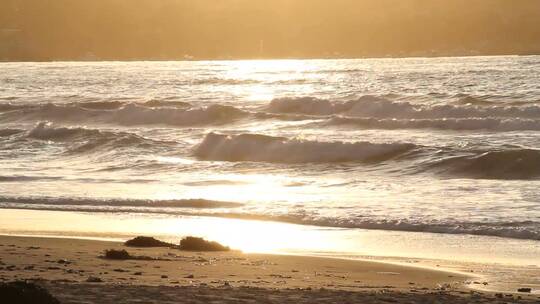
[222, 29]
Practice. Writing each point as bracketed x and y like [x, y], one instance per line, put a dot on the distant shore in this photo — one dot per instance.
[405, 56]
[73, 271]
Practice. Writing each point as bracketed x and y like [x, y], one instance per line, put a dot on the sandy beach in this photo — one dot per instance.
[240, 151]
[74, 272]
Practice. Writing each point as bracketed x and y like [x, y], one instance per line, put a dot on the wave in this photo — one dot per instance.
[157, 103]
[23, 178]
[367, 111]
[128, 114]
[379, 107]
[469, 124]
[504, 164]
[526, 230]
[475, 101]
[82, 140]
[10, 132]
[98, 105]
[5, 107]
[46, 131]
[63, 201]
[214, 114]
[510, 164]
[489, 100]
[262, 148]
[305, 105]
[223, 81]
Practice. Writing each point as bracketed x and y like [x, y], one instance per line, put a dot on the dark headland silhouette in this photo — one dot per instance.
[41, 30]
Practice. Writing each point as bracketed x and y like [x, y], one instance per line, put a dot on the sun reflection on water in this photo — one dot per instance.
[257, 74]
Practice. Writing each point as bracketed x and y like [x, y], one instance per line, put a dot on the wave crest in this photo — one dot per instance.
[10, 132]
[80, 201]
[378, 107]
[508, 164]
[46, 131]
[128, 114]
[215, 114]
[82, 140]
[527, 230]
[469, 124]
[262, 148]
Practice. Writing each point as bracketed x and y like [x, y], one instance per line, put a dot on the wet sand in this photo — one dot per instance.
[74, 272]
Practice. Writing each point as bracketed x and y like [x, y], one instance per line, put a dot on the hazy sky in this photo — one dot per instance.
[170, 29]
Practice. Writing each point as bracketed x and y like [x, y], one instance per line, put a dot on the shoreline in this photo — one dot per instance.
[504, 265]
[67, 267]
[375, 260]
[249, 217]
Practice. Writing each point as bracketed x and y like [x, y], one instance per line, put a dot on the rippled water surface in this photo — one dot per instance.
[446, 145]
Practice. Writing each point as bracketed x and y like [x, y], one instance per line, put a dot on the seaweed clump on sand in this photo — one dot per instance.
[146, 242]
[113, 254]
[122, 254]
[22, 292]
[191, 243]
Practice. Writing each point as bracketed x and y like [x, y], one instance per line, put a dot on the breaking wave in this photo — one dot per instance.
[468, 124]
[46, 131]
[468, 113]
[63, 201]
[77, 134]
[214, 114]
[527, 230]
[508, 163]
[9, 132]
[262, 148]
[82, 139]
[513, 164]
[128, 114]
[378, 107]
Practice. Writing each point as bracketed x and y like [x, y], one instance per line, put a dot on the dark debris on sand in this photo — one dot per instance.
[191, 243]
[146, 242]
[113, 254]
[122, 254]
[22, 292]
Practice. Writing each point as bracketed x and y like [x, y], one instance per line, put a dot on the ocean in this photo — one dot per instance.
[449, 146]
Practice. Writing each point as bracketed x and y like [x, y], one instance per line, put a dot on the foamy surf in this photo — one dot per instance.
[396, 147]
[451, 124]
[379, 107]
[125, 114]
[526, 230]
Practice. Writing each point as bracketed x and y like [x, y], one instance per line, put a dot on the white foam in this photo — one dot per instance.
[377, 107]
[129, 114]
[490, 123]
